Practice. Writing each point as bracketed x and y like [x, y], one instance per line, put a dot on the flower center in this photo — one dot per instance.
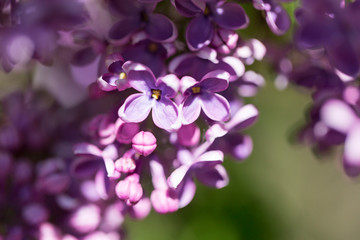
[122, 75]
[207, 11]
[156, 93]
[195, 90]
[152, 47]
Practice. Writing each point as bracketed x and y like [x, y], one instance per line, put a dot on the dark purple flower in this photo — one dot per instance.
[201, 29]
[202, 95]
[149, 53]
[324, 24]
[276, 16]
[115, 78]
[136, 16]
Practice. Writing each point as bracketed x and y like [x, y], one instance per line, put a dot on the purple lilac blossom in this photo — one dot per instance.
[155, 96]
[208, 14]
[136, 16]
[203, 95]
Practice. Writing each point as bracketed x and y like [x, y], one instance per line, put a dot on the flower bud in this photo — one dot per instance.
[129, 189]
[125, 164]
[144, 143]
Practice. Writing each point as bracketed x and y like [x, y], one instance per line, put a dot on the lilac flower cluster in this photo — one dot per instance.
[109, 64]
[327, 36]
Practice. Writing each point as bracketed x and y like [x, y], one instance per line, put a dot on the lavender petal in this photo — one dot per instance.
[215, 106]
[135, 108]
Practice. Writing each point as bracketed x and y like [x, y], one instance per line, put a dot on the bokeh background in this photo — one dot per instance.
[282, 192]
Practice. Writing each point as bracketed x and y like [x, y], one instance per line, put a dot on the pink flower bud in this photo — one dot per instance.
[129, 189]
[163, 201]
[125, 164]
[144, 143]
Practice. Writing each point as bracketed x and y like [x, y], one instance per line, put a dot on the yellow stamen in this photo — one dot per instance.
[195, 89]
[156, 93]
[122, 75]
[206, 11]
[152, 47]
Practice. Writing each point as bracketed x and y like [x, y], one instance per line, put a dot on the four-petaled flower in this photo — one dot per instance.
[202, 95]
[155, 95]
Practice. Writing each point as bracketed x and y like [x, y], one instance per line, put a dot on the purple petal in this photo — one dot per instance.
[187, 7]
[165, 114]
[278, 19]
[216, 156]
[160, 28]
[172, 85]
[141, 209]
[163, 201]
[186, 192]
[102, 184]
[342, 55]
[215, 106]
[124, 28]
[243, 118]
[199, 33]
[186, 83]
[86, 166]
[143, 81]
[351, 147]
[330, 114]
[191, 109]
[215, 81]
[158, 175]
[213, 177]
[87, 149]
[177, 176]
[110, 153]
[243, 148]
[231, 16]
[188, 135]
[107, 82]
[87, 74]
[135, 108]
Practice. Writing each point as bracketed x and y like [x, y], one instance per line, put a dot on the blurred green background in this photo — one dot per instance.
[282, 192]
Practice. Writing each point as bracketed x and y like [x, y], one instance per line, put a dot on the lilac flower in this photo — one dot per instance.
[224, 136]
[149, 53]
[116, 77]
[155, 96]
[202, 95]
[138, 16]
[276, 16]
[93, 160]
[324, 24]
[348, 124]
[206, 168]
[163, 198]
[200, 30]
